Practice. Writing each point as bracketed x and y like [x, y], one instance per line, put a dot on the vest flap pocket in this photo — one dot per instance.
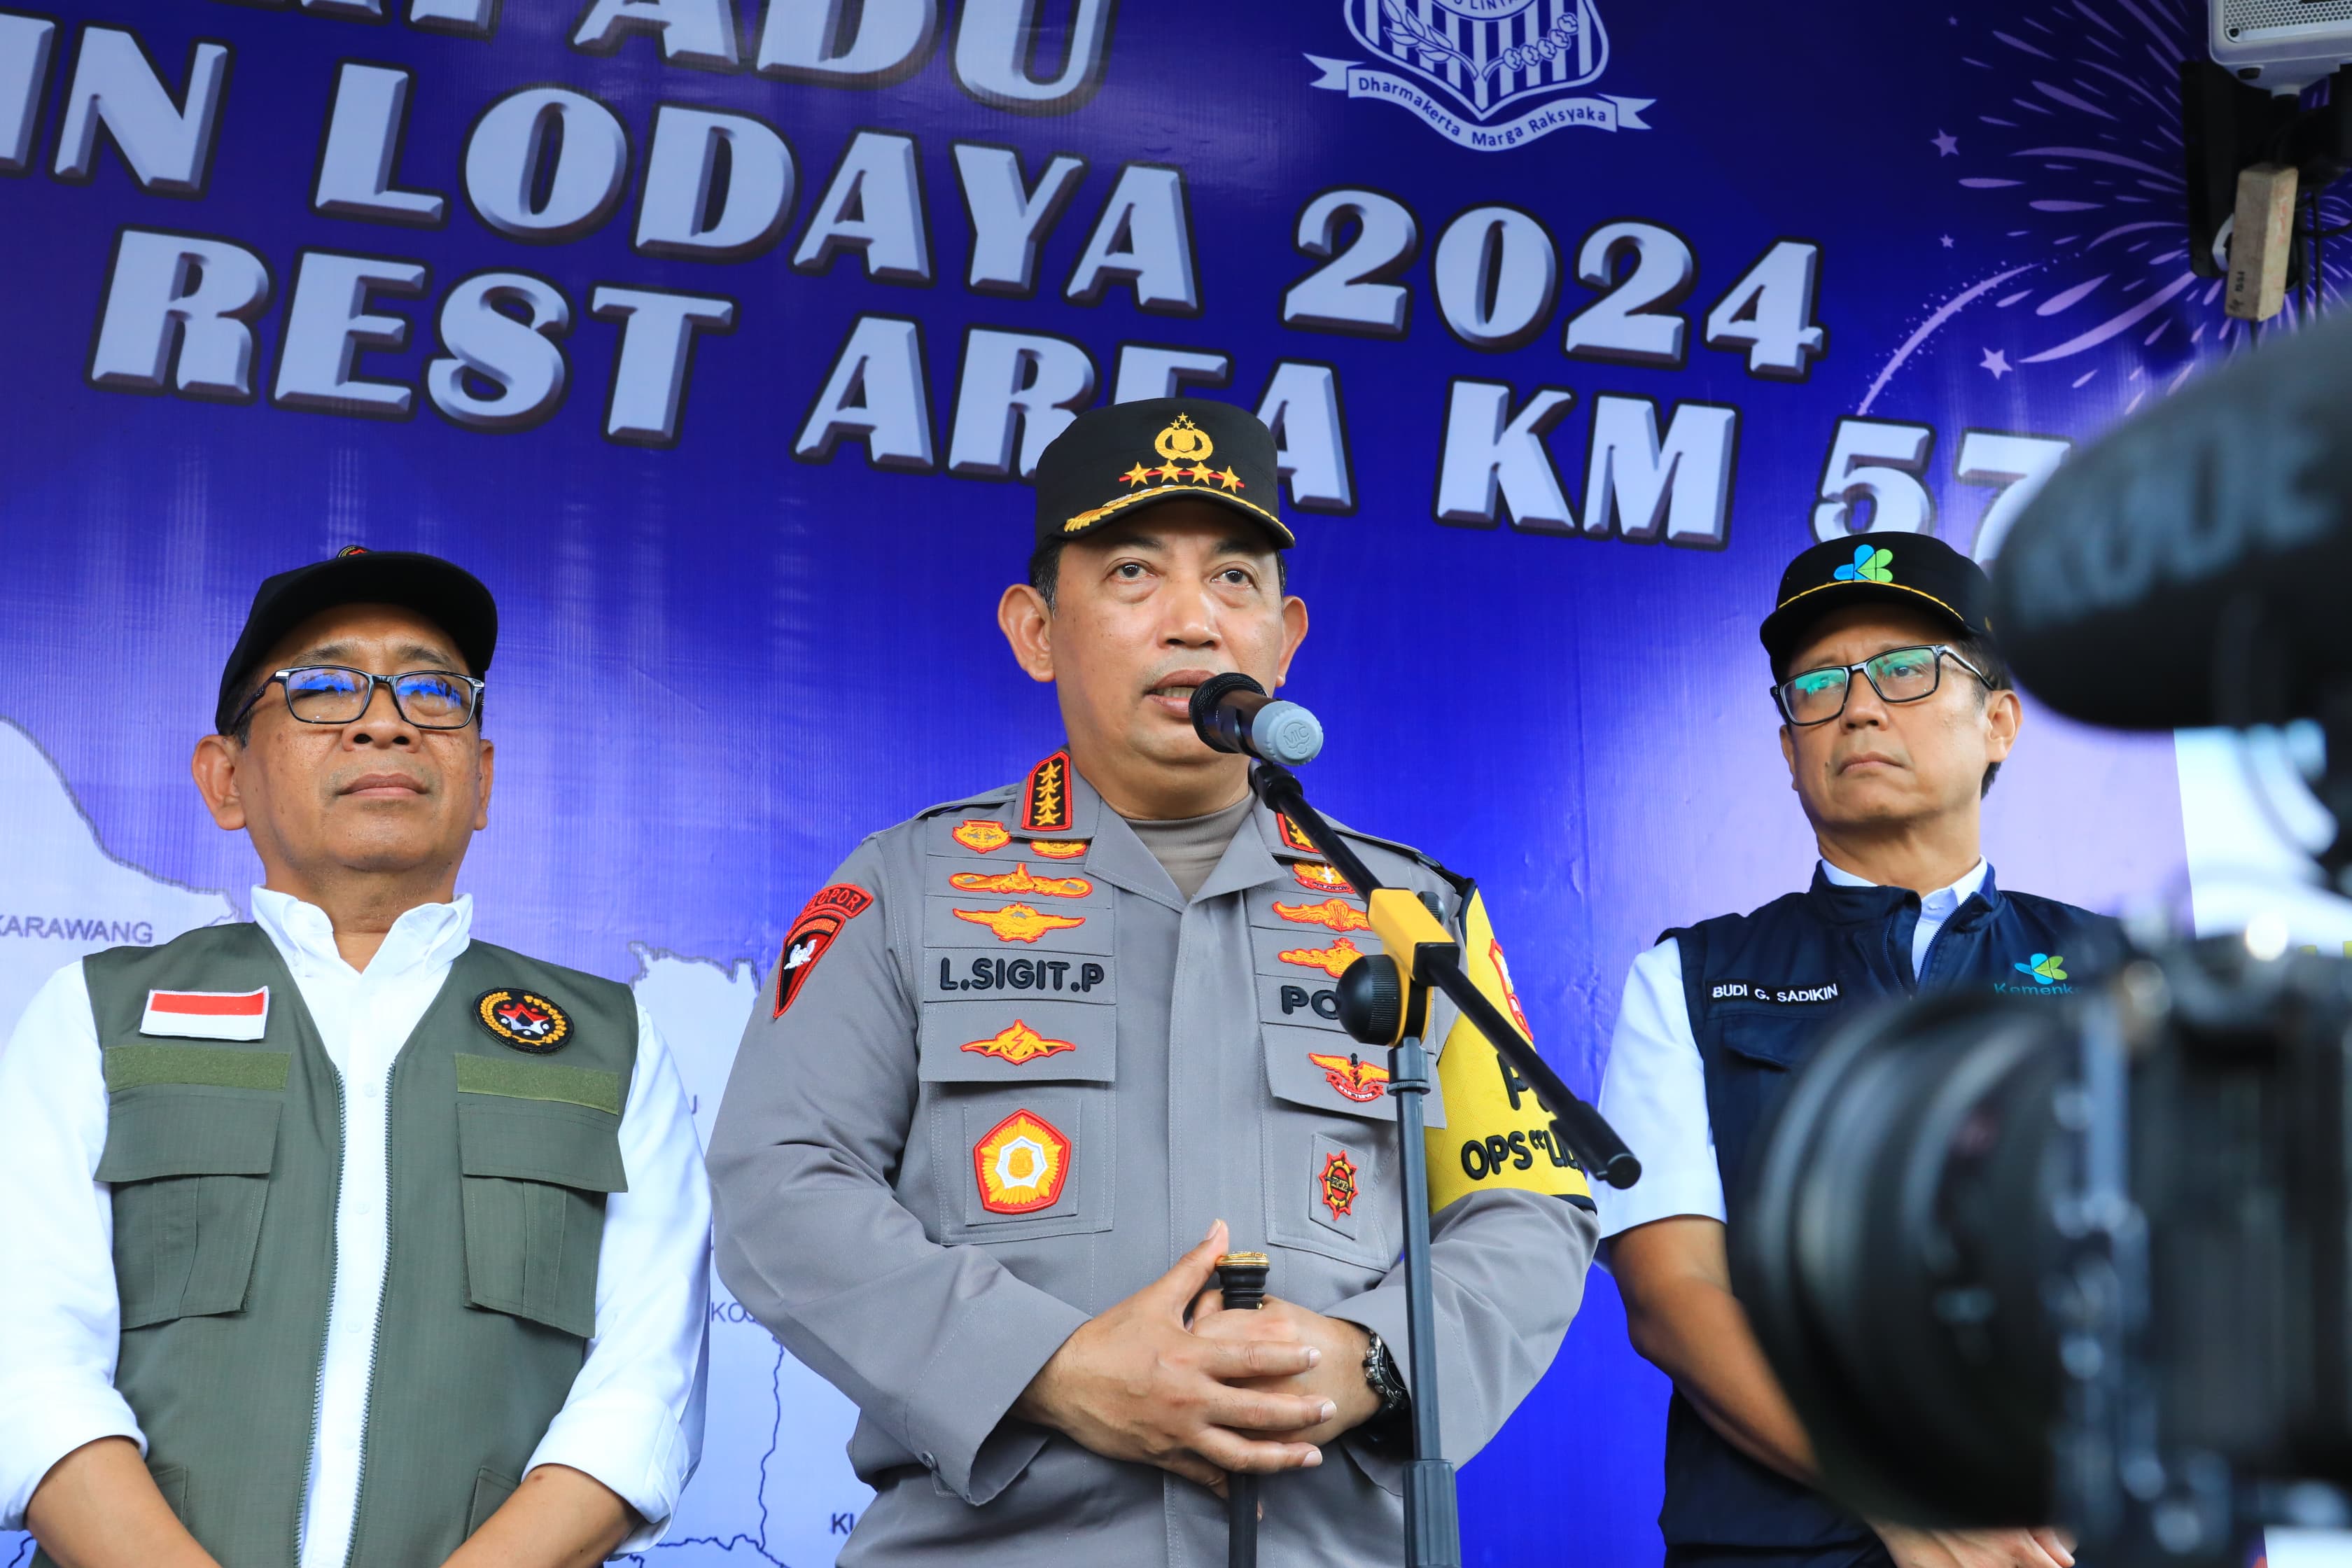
[1324, 1070]
[1781, 1037]
[1012, 1040]
[190, 1166]
[536, 1172]
[539, 1140]
[158, 1129]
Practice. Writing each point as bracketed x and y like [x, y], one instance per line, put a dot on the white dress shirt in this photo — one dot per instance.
[1653, 1089]
[634, 1417]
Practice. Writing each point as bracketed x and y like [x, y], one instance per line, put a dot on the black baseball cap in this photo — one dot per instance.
[1914, 570]
[1113, 462]
[442, 592]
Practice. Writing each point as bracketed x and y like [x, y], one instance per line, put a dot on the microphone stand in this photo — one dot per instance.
[1425, 954]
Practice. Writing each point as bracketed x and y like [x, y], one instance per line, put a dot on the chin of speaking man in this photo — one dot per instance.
[1895, 712]
[340, 1238]
[1032, 1060]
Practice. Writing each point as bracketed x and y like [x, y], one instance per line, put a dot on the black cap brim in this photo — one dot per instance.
[442, 592]
[1784, 629]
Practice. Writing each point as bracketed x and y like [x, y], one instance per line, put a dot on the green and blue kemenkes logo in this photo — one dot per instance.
[2048, 972]
[1869, 566]
[2046, 967]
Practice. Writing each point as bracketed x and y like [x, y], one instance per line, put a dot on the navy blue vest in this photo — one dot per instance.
[1764, 990]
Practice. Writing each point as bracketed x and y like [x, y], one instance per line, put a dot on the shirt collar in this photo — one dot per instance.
[1942, 900]
[425, 934]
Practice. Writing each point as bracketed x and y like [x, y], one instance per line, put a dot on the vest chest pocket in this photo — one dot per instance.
[1773, 1038]
[536, 1170]
[191, 1134]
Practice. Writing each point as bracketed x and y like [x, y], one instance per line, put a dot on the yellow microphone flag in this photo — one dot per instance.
[1498, 1135]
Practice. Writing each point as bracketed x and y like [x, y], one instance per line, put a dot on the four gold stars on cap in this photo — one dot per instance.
[1196, 473]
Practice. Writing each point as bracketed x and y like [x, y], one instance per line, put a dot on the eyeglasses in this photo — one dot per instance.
[1898, 675]
[332, 694]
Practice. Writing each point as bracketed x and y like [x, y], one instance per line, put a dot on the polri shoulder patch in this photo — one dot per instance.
[523, 1019]
[1046, 805]
[812, 932]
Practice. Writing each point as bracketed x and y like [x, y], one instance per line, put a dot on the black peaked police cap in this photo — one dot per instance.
[442, 592]
[1114, 462]
[1915, 569]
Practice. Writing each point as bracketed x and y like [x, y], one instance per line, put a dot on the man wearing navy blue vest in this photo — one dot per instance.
[1895, 712]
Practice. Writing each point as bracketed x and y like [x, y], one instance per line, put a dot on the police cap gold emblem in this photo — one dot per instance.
[1114, 462]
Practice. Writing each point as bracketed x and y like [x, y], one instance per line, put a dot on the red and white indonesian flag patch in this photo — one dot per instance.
[207, 1014]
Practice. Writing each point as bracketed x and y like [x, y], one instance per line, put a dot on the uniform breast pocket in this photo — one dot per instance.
[1329, 1144]
[536, 1174]
[1017, 1098]
[190, 1169]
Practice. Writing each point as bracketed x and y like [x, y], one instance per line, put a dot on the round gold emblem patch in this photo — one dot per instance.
[523, 1019]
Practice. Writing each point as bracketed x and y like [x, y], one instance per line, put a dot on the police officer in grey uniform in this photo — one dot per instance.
[1030, 1061]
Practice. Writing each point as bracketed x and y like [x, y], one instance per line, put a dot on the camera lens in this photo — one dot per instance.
[1892, 1250]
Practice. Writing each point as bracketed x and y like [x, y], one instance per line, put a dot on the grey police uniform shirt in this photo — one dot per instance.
[1003, 1077]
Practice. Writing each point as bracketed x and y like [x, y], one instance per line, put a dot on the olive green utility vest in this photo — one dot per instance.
[226, 1158]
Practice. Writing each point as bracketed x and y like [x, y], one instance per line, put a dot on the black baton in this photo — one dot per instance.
[1241, 1274]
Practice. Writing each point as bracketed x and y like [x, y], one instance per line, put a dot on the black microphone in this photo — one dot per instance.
[2191, 567]
[1230, 713]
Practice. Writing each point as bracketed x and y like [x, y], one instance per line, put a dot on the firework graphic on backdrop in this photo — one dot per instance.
[2074, 156]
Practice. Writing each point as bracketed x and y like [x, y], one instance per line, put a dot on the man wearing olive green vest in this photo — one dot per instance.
[339, 1237]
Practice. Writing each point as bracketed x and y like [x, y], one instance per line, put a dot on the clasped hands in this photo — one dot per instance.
[1169, 1377]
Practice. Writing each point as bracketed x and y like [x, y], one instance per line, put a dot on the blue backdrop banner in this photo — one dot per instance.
[717, 337]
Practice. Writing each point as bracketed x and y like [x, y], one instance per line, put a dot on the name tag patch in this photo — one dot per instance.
[1772, 995]
[207, 1014]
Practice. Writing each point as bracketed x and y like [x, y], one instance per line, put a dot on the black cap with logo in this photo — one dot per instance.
[444, 594]
[1917, 570]
[1113, 462]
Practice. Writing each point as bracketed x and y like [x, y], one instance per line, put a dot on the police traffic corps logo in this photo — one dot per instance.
[1489, 75]
[523, 1019]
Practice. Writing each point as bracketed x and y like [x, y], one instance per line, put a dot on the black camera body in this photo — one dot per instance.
[2087, 1259]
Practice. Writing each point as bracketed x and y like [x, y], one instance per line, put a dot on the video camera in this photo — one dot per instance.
[2090, 1261]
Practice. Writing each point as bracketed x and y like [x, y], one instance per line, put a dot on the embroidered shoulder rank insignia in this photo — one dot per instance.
[1319, 877]
[1353, 1076]
[981, 836]
[1292, 835]
[1020, 879]
[1045, 798]
[1330, 914]
[1059, 849]
[1017, 1043]
[523, 1019]
[1018, 923]
[1339, 1184]
[1021, 1163]
[812, 932]
[1330, 960]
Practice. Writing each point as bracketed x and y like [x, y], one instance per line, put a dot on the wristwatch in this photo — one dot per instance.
[1391, 1423]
